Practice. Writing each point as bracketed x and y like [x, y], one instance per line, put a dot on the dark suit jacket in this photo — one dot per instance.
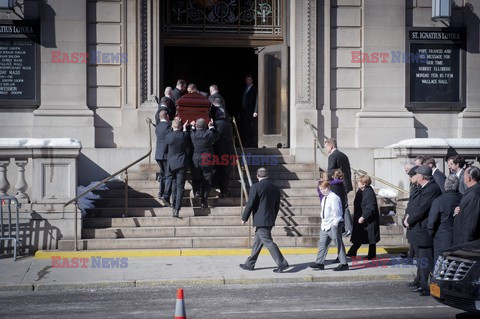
[178, 143]
[157, 114]
[177, 94]
[224, 145]
[418, 213]
[365, 205]
[214, 96]
[264, 203]
[440, 220]
[467, 222]
[338, 160]
[440, 178]
[249, 102]
[161, 130]
[202, 141]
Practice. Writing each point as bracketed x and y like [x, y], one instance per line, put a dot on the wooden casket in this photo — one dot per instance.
[193, 106]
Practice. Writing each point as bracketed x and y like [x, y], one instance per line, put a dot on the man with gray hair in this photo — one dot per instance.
[440, 217]
[467, 220]
[264, 203]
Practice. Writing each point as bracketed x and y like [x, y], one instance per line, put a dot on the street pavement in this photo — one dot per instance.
[159, 268]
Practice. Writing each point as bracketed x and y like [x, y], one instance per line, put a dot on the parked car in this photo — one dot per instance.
[455, 280]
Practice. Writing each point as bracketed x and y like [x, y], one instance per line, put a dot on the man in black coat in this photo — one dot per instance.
[161, 130]
[417, 220]
[467, 216]
[249, 114]
[456, 165]
[264, 203]
[440, 217]
[202, 169]
[223, 147]
[179, 90]
[177, 163]
[438, 175]
[338, 160]
[215, 94]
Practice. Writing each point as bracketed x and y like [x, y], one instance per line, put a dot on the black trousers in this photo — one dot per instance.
[202, 180]
[162, 164]
[223, 174]
[424, 264]
[372, 250]
[250, 130]
[176, 184]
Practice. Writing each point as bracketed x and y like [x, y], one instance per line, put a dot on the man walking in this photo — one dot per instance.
[161, 130]
[264, 203]
[179, 90]
[438, 175]
[338, 160]
[177, 163]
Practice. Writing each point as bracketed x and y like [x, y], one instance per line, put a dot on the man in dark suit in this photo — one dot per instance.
[456, 165]
[215, 94]
[438, 175]
[223, 146]
[161, 130]
[417, 220]
[249, 113]
[264, 203]
[338, 160]
[467, 216]
[177, 163]
[179, 89]
[202, 172]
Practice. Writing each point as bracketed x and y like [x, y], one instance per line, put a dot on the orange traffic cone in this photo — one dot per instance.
[180, 306]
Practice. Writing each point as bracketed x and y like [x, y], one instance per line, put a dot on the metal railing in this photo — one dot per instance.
[108, 178]
[6, 230]
[242, 180]
[356, 171]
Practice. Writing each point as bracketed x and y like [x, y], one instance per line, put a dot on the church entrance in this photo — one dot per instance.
[223, 66]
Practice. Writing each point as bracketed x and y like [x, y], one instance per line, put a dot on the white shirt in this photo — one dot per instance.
[332, 212]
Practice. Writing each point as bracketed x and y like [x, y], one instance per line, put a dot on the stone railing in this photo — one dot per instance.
[43, 173]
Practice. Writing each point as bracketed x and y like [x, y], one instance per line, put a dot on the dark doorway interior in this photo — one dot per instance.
[225, 67]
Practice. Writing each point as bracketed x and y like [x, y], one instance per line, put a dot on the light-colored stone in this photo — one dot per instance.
[347, 78]
[347, 37]
[104, 97]
[344, 58]
[104, 33]
[347, 99]
[104, 11]
[104, 75]
[346, 17]
[348, 2]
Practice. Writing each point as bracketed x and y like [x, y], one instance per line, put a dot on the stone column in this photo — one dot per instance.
[4, 184]
[302, 25]
[64, 111]
[383, 106]
[21, 185]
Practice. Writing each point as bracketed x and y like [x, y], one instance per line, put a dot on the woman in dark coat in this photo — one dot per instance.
[440, 217]
[366, 219]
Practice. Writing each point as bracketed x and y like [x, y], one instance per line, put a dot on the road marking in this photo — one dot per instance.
[331, 309]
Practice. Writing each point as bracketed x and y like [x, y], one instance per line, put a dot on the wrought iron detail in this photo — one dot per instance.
[223, 16]
[144, 50]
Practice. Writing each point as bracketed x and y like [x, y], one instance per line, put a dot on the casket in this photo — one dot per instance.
[193, 106]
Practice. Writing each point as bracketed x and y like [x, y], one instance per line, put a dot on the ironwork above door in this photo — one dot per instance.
[262, 17]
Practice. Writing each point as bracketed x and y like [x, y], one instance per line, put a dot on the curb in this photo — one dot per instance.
[196, 282]
[153, 253]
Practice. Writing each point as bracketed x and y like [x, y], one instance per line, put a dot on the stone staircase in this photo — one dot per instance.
[148, 225]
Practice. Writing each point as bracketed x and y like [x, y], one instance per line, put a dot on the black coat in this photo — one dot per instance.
[414, 192]
[224, 145]
[440, 178]
[202, 141]
[161, 130]
[176, 94]
[440, 220]
[264, 203]
[214, 96]
[178, 143]
[338, 160]
[365, 205]
[339, 190]
[467, 222]
[418, 213]
[249, 102]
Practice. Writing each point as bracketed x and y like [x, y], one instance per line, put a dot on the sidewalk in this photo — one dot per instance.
[185, 267]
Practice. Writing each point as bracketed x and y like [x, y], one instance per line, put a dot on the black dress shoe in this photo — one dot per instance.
[317, 266]
[336, 261]
[281, 269]
[417, 289]
[166, 201]
[341, 267]
[203, 205]
[197, 195]
[175, 213]
[413, 284]
[245, 267]
[424, 292]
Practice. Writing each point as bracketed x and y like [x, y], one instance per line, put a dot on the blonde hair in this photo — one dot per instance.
[365, 180]
[337, 174]
[324, 184]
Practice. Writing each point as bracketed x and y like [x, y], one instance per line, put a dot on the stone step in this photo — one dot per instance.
[137, 175]
[195, 211]
[262, 151]
[306, 167]
[186, 202]
[147, 184]
[190, 221]
[153, 192]
[192, 231]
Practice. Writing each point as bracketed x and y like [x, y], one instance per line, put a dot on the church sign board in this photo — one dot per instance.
[19, 64]
[436, 81]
